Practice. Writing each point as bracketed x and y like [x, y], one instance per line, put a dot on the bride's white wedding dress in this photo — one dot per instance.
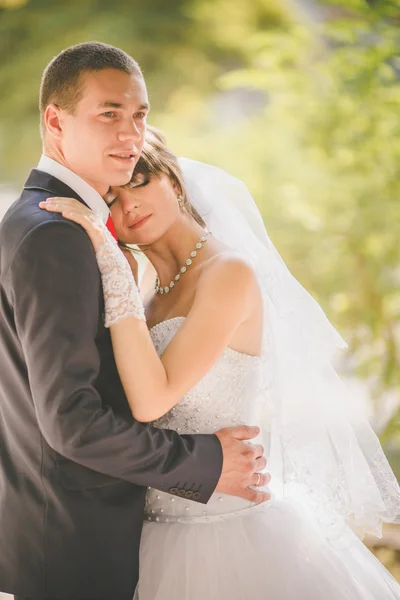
[327, 465]
[231, 549]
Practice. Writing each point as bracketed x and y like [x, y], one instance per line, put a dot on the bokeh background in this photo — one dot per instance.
[301, 99]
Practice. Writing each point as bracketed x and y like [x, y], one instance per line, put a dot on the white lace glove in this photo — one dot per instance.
[121, 294]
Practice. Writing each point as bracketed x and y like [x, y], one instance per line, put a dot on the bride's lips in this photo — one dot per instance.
[139, 222]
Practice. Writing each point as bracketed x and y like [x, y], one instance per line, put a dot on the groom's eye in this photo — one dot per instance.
[109, 113]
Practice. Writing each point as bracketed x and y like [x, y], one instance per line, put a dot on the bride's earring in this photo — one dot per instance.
[180, 200]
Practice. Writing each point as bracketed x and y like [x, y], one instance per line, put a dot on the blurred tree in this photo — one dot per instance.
[177, 52]
[326, 149]
[304, 110]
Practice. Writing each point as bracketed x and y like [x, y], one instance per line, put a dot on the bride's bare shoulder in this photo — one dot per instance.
[226, 272]
[225, 261]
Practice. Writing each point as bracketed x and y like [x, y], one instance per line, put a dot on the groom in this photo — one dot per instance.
[74, 463]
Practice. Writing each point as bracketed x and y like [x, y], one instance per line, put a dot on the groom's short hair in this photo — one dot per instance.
[62, 78]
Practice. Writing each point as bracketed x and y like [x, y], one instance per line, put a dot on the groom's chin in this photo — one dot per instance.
[120, 172]
[120, 179]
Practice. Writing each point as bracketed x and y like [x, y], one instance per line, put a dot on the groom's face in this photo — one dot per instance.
[102, 140]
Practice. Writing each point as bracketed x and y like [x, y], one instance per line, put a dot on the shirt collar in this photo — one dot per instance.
[76, 183]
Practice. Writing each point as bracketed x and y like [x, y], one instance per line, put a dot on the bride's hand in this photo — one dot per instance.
[82, 215]
[79, 213]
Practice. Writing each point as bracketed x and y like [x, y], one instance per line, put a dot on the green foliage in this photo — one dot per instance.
[322, 159]
[179, 49]
[306, 112]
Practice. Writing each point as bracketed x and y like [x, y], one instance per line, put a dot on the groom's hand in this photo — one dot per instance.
[242, 463]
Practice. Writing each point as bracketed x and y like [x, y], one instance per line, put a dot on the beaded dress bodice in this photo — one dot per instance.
[226, 396]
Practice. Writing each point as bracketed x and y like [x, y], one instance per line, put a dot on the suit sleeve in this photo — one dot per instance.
[56, 287]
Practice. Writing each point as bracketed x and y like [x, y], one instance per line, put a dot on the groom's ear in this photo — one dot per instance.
[53, 121]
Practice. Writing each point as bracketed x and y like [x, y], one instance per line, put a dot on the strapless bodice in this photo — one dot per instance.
[226, 396]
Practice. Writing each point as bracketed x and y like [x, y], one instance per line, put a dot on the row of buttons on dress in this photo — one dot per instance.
[158, 516]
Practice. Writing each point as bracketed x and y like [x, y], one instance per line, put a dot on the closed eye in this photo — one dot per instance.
[110, 198]
[111, 202]
[138, 180]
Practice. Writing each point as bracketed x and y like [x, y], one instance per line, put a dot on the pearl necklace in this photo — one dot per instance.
[165, 290]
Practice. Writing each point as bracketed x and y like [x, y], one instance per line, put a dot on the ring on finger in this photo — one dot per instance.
[258, 479]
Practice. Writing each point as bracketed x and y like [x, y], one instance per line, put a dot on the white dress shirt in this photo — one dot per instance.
[76, 183]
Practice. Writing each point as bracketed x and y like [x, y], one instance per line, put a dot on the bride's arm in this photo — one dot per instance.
[224, 299]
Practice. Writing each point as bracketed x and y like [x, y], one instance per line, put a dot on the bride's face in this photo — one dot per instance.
[144, 213]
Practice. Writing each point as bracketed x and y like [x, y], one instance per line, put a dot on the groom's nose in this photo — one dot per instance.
[129, 131]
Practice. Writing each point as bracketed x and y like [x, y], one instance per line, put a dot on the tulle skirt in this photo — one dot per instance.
[275, 553]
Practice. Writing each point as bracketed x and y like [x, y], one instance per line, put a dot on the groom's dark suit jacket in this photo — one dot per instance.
[74, 463]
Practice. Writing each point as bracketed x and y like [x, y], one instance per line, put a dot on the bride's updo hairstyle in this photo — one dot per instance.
[157, 160]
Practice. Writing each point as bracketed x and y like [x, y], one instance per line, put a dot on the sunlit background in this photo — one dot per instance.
[301, 99]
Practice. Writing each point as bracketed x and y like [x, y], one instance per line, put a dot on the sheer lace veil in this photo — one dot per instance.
[321, 448]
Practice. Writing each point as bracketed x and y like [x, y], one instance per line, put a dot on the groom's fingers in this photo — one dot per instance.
[242, 464]
[256, 496]
[244, 432]
[260, 479]
[261, 463]
[257, 449]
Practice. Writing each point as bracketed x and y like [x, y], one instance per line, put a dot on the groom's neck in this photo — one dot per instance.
[55, 154]
[58, 156]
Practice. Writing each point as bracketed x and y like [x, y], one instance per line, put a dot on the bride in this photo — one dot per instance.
[225, 335]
